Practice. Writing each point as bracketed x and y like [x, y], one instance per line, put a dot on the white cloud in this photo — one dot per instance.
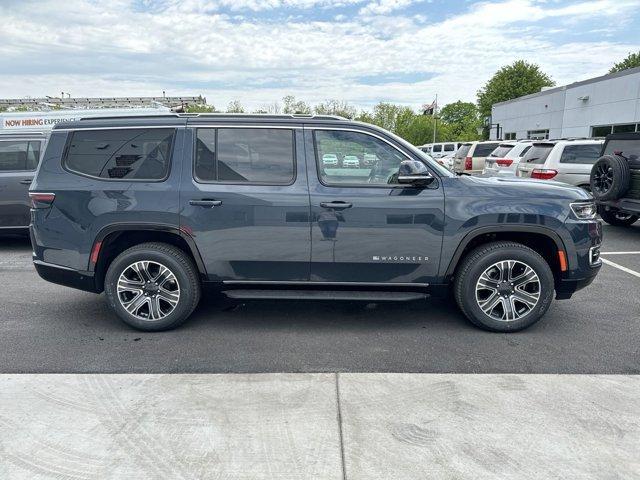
[199, 46]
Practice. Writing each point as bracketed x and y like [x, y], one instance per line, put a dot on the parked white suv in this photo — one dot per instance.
[442, 149]
[567, 161]
[470, 156]
[504, 160]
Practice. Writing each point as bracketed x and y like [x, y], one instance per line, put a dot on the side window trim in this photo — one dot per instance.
[70, 133]
[356, 185]
[200, 181]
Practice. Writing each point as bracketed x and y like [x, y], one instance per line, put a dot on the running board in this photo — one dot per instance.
[365, 296]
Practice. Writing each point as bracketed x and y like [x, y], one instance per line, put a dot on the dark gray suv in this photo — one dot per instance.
[155, 211]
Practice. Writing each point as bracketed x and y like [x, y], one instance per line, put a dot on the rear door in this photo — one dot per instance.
[18, 162]
[366, 228]
[245, 201]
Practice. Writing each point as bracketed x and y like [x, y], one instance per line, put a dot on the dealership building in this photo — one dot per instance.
[591, 108]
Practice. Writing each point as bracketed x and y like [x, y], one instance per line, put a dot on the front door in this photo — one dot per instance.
[18, 162]
[366, 227]
[244, 199]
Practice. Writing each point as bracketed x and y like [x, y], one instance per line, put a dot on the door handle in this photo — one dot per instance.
[336, 205]
[26, 181]
[205, 203]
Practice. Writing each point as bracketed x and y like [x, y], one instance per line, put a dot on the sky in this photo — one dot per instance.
[257, 51]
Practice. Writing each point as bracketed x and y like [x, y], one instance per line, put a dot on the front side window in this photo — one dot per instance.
[588, 154]
[245, 155]
[121, 154]
[362, 159]
[19, 155]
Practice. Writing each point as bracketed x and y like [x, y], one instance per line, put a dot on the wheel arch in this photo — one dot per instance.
[114, 239]
[541, 239]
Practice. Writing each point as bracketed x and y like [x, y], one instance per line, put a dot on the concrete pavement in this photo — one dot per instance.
[319, 426]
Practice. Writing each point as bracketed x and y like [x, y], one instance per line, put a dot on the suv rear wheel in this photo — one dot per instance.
[152, 286]
[504, 286]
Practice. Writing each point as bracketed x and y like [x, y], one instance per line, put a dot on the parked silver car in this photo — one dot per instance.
[19, 157]
[567, 161]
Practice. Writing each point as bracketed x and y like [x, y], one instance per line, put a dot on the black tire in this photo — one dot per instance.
[610, 177]
[185, 275]
[481, 259]
[618, 219]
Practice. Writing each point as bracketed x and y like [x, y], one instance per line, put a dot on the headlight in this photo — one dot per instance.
[584, 210]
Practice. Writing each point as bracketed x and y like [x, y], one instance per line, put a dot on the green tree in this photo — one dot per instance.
[204, 108]
[292, 106]
[461, 119]
[632, 61]
[235, 107]
[512, 81]
[335, 107]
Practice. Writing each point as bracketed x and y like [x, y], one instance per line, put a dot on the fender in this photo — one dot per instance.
[149, 227]
[502, 229]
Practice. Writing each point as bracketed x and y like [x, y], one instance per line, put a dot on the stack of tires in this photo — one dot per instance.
[614, 177]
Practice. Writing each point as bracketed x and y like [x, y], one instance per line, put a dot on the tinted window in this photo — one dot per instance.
[437, 148]
[245, 155]
[19, 155]
[538, 153]
[463, 150]
[378, 162]
[484, 149]
[449, 147]
[138, 153]
[501, 151]
[580, 154]
[630, 149]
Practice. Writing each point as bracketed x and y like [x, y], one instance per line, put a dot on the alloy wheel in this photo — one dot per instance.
[508, 290]
[602, 178]
[148, 290]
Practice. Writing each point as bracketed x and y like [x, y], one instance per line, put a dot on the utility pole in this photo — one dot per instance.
[435, 118]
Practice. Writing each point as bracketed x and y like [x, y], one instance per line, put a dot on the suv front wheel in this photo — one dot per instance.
[152, 286]
[504, 286]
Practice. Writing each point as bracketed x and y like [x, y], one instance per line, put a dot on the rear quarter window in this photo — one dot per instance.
[583, 154]
[120, 154]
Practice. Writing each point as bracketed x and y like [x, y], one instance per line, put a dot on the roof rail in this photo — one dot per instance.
[223, 115]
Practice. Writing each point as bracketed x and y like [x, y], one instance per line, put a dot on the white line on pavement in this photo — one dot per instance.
[624, 269]
[619, 253]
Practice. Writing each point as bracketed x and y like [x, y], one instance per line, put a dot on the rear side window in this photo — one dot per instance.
[115, 154]
[586, 154]
[449, 147]
[501, 151]
[19, 155]
[437, 148]
[537, 154]
[484, 149]
[463, 150]
[245, 155]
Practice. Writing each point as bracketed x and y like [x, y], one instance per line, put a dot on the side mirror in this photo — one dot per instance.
[414, 173]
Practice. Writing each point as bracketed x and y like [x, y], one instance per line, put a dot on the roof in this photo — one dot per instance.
[178, 119]
[609, 76]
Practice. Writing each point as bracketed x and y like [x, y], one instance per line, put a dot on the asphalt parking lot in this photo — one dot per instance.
[50, 329]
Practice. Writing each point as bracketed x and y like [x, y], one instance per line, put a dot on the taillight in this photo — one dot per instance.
[41, 200]
[543, 173]
[468, 163]
[504, 162]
